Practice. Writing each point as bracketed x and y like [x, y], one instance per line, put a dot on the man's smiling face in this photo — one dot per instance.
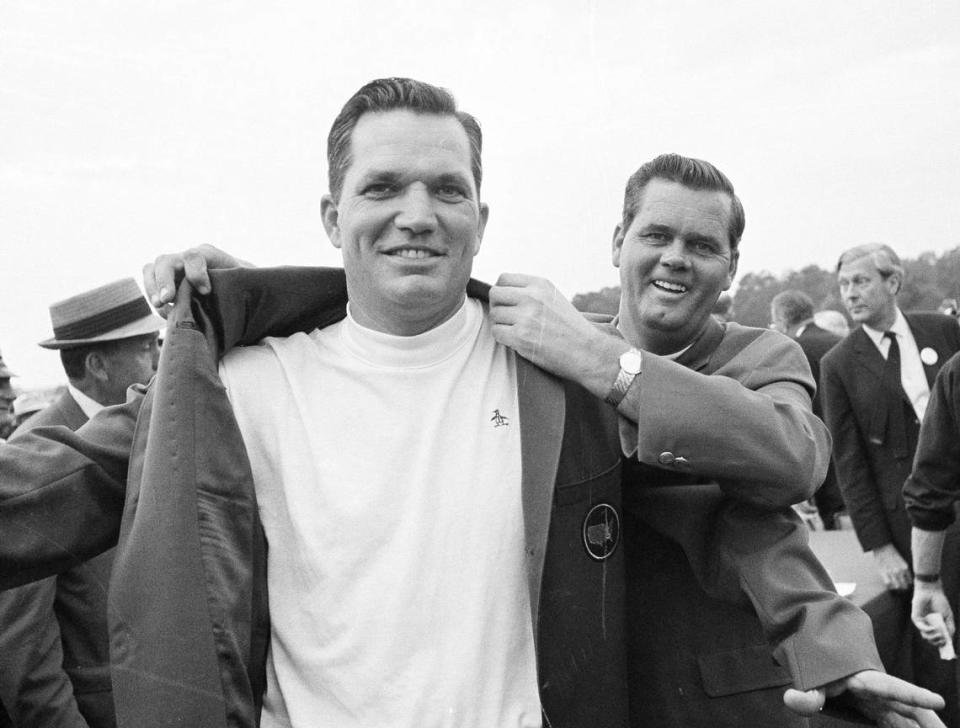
[408, 222]
[675, 260]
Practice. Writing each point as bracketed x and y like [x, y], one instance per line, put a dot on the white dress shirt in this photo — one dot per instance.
[912, 377]
[89, 405]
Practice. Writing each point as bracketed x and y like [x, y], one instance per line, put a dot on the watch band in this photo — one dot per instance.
[630, 364]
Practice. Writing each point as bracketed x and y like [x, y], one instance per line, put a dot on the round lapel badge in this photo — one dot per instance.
[928, 356]
[601, 531]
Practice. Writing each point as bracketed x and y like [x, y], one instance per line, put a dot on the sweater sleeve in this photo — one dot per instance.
[934, 484]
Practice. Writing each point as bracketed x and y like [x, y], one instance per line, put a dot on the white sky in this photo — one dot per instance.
[133, 128]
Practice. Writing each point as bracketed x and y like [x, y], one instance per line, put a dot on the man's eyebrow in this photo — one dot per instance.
[655, 227]
[379, 175]
[455, 178]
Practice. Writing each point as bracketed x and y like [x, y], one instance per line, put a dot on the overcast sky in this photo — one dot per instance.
[133, 128]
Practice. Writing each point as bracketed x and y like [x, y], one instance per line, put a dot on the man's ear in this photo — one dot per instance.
[331, 218]
[96, 365]
[894, 283]
[484, 211]
[732, 270]
[618, 233]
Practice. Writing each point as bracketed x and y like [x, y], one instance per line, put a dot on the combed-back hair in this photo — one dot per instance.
[388, 94]
[693, 173]
[793, 306]
[882, 255]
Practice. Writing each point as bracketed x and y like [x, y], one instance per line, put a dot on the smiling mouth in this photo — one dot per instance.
[670, 287]
[413, 253]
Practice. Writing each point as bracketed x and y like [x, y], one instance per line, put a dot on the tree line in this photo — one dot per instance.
[930, 279]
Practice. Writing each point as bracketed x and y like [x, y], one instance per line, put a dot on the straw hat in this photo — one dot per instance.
[115, 311]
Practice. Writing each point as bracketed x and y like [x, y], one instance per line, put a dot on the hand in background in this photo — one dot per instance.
[892, 567]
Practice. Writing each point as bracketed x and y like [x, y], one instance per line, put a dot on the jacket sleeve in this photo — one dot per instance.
[934, 485]
[857, 483]
[62, 493]
[34, 687]
[749, 425]
[743, 554]
[817, 634]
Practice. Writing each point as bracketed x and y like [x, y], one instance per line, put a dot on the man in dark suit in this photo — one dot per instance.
[791, 313]
[54, 652]
[876, 384]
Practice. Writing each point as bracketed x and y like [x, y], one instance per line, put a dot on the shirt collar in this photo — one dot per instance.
[88, 405]
[674, 356]
[900, 328]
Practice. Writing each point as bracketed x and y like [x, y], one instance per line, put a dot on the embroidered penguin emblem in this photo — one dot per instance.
[601, 531]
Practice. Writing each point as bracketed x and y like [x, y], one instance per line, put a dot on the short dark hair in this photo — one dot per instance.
[387, 94]
[881, 255]
[793, 306]
[74, 360]
[693, 173]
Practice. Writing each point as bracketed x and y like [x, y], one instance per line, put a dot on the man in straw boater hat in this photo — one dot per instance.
[54, 645]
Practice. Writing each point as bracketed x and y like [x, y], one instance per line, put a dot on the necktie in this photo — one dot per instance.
[889, 421]
[891, 370]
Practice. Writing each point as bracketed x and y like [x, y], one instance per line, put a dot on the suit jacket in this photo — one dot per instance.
[54, 643]
[699, 656]
[816, 342]
[875, 430]
[189, 620]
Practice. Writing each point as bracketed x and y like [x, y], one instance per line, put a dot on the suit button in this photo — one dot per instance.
[666, 458]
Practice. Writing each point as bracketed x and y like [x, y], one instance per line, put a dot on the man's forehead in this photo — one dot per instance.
[858, 266]
[400, 130]
[668, 200]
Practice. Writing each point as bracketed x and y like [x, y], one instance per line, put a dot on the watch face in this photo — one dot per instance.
[630, 362]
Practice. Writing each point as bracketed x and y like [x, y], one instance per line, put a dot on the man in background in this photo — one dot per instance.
[54, 647]
[7, 396]
[791, 313]
[876, 384]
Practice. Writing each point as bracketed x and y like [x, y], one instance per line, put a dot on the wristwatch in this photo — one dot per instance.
[630, 364]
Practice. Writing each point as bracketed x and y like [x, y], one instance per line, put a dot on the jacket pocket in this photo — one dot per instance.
[739, 671]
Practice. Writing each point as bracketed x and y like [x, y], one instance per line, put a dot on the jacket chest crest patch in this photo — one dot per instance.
[601, 531]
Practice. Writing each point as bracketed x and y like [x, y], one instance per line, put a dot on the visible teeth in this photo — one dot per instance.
[675, 287]
[412, 253]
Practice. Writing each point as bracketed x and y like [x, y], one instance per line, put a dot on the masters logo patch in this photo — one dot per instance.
[601, 531]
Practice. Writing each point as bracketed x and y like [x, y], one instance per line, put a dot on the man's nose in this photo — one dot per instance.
[674, 255]
[417, 213]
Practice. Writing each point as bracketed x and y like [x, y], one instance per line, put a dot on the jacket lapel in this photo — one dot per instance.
[926, 339]
[867, 356]
[542, 413]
